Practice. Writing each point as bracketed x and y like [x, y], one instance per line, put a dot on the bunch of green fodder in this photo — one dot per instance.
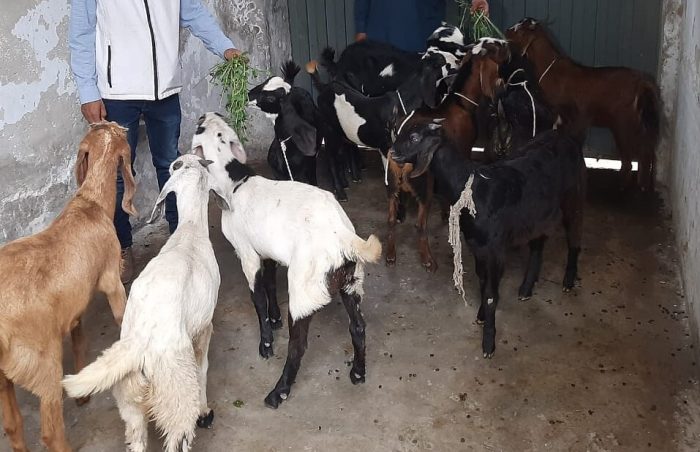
[480, 26]
[233, 76]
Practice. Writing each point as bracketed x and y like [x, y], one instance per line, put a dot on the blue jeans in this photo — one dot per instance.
[162, 119]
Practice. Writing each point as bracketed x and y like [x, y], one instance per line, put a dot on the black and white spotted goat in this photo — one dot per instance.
[507, 203]
[298, 134]
[298, 226]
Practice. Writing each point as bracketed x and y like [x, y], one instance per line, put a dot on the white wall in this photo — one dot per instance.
[40, 121]
[684, 126]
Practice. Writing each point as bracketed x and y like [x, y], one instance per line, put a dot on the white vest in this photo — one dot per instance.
[137, 46]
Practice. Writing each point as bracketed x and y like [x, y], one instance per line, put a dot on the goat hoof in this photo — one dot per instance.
[341, 197]
[276, 324]
[430, 266]
[266, 350]
[356, 378]
[206, 420]
[479, 321]
[274, 399]
[523, 297]
[390, 261]
[488, 355]
[82, 400]
[357, 181]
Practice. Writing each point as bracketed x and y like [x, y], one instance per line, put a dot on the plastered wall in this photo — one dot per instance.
[40, 121]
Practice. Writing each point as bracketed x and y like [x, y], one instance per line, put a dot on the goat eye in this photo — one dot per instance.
[414, 137]
[177, 166]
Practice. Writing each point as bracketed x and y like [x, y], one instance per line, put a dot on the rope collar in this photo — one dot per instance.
[243, 181]
[403, 107]
[532, 102]
[546, 71]
[283, 145]
[462, 96]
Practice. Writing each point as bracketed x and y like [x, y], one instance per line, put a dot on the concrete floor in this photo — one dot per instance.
[611, 367]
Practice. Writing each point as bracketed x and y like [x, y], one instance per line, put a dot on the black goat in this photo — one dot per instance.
[298, 127]
[508, 203]
[518, 113]
[374, 68]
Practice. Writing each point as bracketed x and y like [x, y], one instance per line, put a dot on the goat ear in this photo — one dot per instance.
[81, 164]
[159, 207]
[423, 162]
[220, 201]
[129, 182]
[198, 151]
[302, 133]
[238, 151]
[205, 163]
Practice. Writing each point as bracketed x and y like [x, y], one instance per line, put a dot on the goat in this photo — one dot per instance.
[623, 100]
[507, 203]
[518, 113]
[159, 364]
[296, 225]
[477, 80]
[374, 68]
[296, 119]
[49, 278]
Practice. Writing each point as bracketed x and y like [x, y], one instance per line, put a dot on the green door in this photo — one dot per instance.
[593, 32]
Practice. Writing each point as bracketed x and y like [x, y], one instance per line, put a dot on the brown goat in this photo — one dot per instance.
[621, 99]
[476, 80]
[49, 278]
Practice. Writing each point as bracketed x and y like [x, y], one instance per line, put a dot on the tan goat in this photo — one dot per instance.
[48, 279]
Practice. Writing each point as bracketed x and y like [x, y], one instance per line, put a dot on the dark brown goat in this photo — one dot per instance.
[623, 100]
[476, 80]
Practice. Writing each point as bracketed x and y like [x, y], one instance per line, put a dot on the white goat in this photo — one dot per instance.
[159, 365]
[297, 225]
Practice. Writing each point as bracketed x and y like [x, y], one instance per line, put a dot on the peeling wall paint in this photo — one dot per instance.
[684, 138]
[40, 120]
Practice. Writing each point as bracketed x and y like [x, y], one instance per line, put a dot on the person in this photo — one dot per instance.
[405, 24]
[125, 61]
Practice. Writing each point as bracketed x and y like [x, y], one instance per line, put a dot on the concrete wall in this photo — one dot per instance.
[40, 121]
[684, 126]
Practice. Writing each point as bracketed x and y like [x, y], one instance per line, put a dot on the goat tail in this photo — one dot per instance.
[648, 108]
[364, 251]
[328, 60]
[289, 71]
[112, 366]
[173, 397]
[312, 69]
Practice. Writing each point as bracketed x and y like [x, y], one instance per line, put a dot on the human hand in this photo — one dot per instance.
[360, 37]
[94, 111]
[480, 5]
[230, 54]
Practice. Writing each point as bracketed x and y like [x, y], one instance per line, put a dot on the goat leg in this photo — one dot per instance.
[357, 333]
[489, 302]
[260, 302]
[573, 224]
[52, 427]
[201, 353]
[391, 232]
[298, 334]
[534, 265]
[79, 347]
[270, 284]
[426, 256]
[11, 417]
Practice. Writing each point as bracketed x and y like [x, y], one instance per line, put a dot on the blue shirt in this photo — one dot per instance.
[83, 20]
[406, 24]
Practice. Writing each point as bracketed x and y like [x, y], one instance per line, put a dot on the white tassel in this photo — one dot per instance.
[465, 200]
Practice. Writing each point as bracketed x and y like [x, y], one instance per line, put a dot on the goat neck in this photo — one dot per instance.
[541, 52]
[193, 207]
[452, 169]
[472, 90]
